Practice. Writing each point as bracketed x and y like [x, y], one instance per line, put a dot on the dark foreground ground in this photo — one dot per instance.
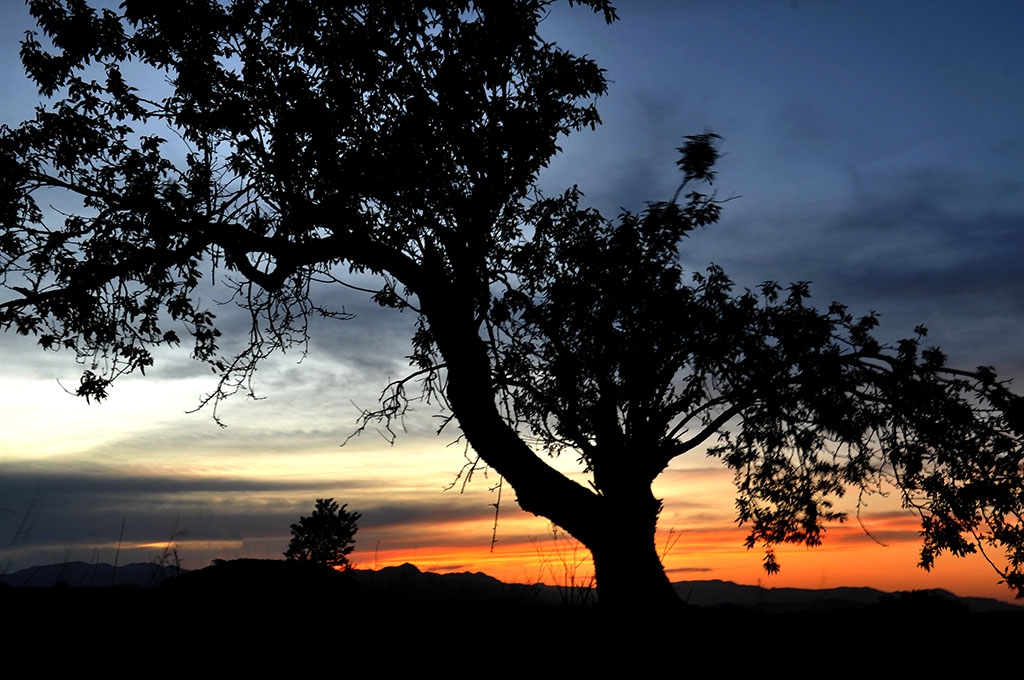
[279, 617]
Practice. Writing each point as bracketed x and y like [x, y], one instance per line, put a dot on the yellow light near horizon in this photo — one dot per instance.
[186, 546]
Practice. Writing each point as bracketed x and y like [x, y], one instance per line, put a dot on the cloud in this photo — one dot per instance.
[911, 252]
[46, 512]
[688, 570]
[424, 512]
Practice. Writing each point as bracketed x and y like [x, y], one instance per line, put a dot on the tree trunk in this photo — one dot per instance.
[617, 526]
[629, 572]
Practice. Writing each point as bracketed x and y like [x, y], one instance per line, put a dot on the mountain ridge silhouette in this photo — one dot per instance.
[408, 581]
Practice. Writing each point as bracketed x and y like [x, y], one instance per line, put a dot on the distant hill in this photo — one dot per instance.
[97, 575]
[716, 593]
[408, 583]
[275, 617]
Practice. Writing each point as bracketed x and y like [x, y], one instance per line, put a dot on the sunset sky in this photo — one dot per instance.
[874, 148]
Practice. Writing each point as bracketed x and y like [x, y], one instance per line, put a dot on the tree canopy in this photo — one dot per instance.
[314, 141]
[325, 537]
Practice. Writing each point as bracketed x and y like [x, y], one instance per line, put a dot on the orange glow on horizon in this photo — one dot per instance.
[847, 558]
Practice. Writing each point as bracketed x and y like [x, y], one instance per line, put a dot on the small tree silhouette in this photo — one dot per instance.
[327, 536]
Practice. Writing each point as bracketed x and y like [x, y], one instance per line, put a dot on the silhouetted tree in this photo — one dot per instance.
[611, 355]
[315, 140]
[325, 537]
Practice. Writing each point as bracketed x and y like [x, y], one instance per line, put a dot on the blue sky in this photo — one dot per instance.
[873, 148]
